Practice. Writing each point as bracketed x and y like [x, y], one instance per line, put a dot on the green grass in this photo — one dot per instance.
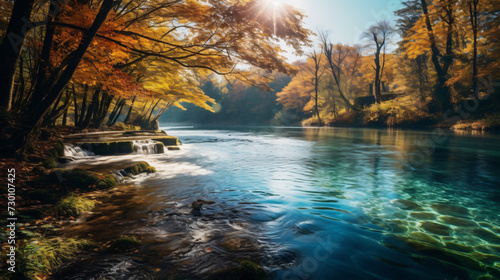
[40, 255]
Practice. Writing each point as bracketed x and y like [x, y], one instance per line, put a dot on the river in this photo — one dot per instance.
[305, 203]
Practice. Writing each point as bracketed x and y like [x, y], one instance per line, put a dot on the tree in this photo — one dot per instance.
[315, 71]
[335, 66]
[473, 15]
[10, 49]
[379, 34]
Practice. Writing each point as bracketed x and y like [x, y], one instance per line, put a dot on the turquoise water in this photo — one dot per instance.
[313, 203]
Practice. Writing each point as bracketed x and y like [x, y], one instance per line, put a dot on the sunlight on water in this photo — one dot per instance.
[317, 204]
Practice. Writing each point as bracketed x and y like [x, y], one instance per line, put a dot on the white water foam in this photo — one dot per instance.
[75, 151]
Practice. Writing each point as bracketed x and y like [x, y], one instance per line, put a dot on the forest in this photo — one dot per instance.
[89, 64]
[437, 65]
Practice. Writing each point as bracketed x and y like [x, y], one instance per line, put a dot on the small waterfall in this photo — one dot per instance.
[76, 151]
[120, 175]
[146, 147]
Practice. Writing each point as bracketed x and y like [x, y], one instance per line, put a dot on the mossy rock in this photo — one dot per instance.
[168, 140]
[124, 244]
[138, 168]
[108, 182]
[59, 148]
[73, 205]
[151, 169]
[159, 148]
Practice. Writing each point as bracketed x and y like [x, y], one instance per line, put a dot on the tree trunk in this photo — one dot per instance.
[474, 25]
[10, 49]
[377, 75]
[127, 119]
[441, 92]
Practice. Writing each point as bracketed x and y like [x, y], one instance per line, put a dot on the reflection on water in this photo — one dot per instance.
[306, 204]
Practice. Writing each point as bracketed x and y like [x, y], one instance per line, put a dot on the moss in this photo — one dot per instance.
[59, 148]
[151, 169]
[40, 255]
[124, 243]
[53, 155]
[73, 205]
[109, 181]
[138, 168]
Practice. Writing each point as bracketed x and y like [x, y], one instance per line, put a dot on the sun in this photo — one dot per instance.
[277, 3]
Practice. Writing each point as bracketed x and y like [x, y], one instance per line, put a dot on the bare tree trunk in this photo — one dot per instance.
[442, 92]
[473, 20]
[10, 49]
[127, 119]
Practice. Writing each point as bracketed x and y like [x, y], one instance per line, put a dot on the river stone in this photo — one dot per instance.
[450, 210]
[423, 215]
[459, 222]
[237, 244]
[406, 204]
[486, 235]
[436, 228]
[458, 247]
[424, 237]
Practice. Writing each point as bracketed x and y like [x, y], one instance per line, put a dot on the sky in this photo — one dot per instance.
[344, 20]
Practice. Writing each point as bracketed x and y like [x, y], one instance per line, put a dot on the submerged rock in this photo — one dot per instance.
[246, 270]
[486, 235]
[435, 228]
[459, 222]
[197, 206]
[458, 247]
[423, 215]
[451, 210]
[406, 204]
[424, 237]
[124, 243]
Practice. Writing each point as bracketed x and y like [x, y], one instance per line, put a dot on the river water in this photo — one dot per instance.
[305, 203]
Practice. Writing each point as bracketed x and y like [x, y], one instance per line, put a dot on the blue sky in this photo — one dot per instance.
[345, 20]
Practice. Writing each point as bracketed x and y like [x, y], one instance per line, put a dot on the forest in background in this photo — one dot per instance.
[443, 71]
